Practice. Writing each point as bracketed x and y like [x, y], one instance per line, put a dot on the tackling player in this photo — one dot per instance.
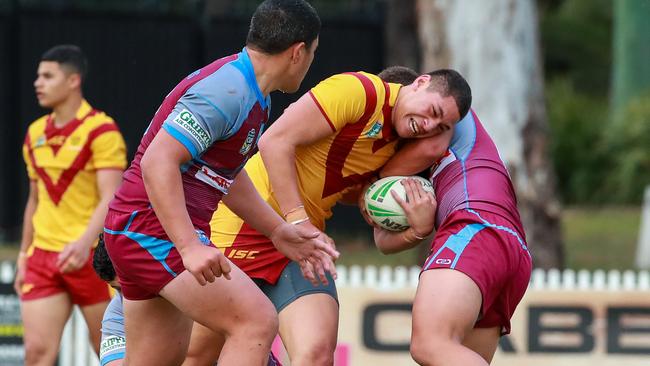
[479, 266]
[189, 158]
[113, 344]
[75, 157]
[354, 121]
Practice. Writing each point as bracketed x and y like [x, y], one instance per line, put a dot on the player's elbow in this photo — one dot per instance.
[147, 166]
[275, 142]
[266, 142]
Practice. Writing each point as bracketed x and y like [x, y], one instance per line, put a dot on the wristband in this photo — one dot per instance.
[293, 210]
[296, 214]
[299, 221]
[415, 235]
[410, 236]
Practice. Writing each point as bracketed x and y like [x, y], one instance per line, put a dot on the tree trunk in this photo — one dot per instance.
[631, 53]
[495, 45]
[401, 38]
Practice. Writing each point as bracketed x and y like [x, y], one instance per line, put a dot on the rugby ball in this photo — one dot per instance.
[382, 207]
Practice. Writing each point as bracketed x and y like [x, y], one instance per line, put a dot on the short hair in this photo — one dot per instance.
[449, 82]
[102, 262]
[278, 24]
[70, 57]
[398, 74]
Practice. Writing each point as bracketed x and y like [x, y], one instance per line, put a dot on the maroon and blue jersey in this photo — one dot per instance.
[217, 113]
[472, 176]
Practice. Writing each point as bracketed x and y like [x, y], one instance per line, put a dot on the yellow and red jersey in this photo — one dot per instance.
[357, 107]
[63, 162]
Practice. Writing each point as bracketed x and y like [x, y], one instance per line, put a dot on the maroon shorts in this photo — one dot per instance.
[484, 246]
[43, 278]
[144, 258]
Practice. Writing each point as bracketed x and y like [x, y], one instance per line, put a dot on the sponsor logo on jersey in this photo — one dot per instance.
[208, 176]
[111, 344]
[188, 122]
[248, 144]
[56, 140]
[374, 130]
[439, 165]
[40, 141]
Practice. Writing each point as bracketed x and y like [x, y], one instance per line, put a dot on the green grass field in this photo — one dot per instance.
[594, 238]
[601, 237]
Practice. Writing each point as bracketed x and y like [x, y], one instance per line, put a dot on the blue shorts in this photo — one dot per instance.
[292, 285]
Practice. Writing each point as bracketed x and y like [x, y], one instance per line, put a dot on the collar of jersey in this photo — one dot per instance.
[244, 64]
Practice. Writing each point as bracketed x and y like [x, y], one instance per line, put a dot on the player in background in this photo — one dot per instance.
[75, 157]
[479, 266]
[189, 159]
[333, 138]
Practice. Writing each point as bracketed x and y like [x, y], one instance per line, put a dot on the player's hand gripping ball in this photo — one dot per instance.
[382, 207]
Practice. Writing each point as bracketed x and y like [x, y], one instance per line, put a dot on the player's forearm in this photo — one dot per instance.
[163, 183]
[416, 155]
[244, 200]
[390, 242]
[96, 223]
[280, 161]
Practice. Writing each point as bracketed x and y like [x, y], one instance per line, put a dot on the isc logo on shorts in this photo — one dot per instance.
[242, 254]
[443, 261]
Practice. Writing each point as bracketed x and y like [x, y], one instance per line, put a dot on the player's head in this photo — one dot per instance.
[103, 265]
[398, 75]
[61, 71]
[288, 27]
[431, 104]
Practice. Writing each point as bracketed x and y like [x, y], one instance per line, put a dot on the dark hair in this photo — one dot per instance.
[69, 56]
[398, 74]
[102, 262]
[450, 82]
[278, 24]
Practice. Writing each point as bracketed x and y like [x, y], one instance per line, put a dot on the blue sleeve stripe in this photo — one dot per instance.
[113, 357]
[181, 138]
[223, 115]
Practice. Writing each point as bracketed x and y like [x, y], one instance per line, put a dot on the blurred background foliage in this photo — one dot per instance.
[601, 153]
[601, 156]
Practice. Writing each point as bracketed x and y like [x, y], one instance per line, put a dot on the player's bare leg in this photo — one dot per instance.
[43, 322]
[93, 315]
[205, 346]
[157, 332]
[308, 328]
[483, 341]
[446, 307]
[237, 308]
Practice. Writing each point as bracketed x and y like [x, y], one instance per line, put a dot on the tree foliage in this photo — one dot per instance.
[600, 157]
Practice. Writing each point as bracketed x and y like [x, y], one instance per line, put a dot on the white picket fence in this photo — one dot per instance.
[76, 350]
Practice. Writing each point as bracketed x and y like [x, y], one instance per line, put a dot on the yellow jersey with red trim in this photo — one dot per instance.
[63, 162]
[358, 108]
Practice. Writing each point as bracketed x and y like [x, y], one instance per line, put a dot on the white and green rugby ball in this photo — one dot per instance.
[382, 207]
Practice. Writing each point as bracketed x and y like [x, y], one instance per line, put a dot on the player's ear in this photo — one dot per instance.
[422, 80]
[298, 52]
[74, 80]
